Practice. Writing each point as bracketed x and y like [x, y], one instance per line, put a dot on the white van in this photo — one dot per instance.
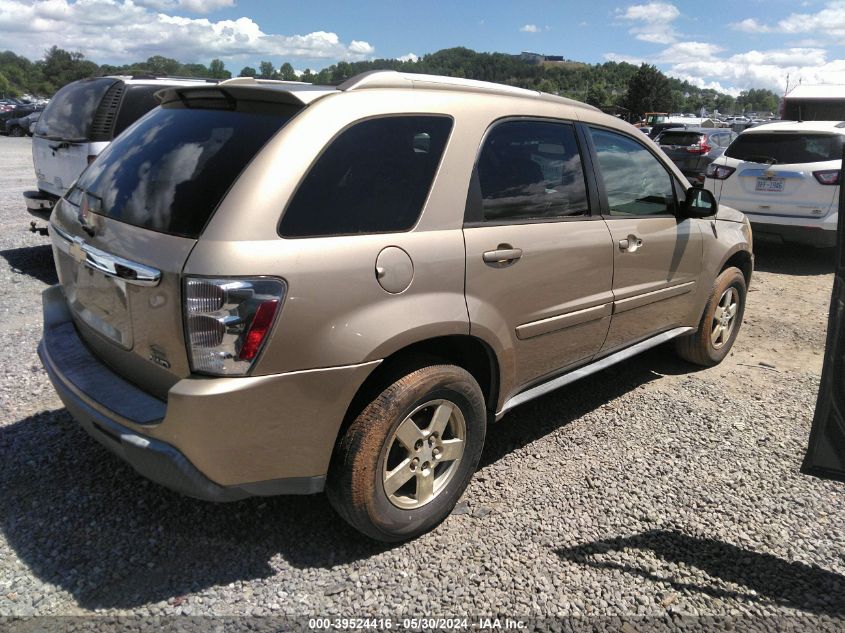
[79, 123]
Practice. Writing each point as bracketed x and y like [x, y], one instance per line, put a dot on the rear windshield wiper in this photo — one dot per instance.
[753, 158]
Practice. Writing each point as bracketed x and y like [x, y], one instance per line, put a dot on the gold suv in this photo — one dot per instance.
[277, 288]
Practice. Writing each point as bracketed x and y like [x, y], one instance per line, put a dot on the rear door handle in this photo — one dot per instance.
[630, 243]
[504, 254]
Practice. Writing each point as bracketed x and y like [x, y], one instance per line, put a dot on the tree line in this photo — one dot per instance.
[631, 88]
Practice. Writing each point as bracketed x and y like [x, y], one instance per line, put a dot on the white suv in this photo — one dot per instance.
[785, 177]
[80, 121]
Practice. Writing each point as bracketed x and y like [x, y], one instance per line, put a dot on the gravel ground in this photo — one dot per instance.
[651, 489]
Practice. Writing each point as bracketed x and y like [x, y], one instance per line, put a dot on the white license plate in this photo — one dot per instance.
[770, 184]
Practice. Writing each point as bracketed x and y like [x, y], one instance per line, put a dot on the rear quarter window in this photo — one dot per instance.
[786, 148]
[374, 177]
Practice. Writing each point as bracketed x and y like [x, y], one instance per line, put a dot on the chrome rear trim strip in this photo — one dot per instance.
[108, 264]
[582, 372]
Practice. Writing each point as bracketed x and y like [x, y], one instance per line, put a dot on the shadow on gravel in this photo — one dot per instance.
[35, 261]
[790, 584]
[791, 259]
[538, 418]
[83, 521]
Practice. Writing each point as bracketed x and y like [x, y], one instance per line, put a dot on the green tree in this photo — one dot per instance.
[597, 95]
[648, 91]
[60, 67]
[266, 70]
[287, 73]
[6, 89]
[218, 70]
[159, 65]
[247, 71]
[307, 76]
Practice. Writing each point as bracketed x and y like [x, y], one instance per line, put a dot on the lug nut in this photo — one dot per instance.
[418, 444]
[436, 452]
[414, 463]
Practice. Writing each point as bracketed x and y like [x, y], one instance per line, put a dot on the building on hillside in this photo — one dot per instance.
[814, 103]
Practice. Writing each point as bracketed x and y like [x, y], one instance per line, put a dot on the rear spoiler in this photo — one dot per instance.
[249, 89]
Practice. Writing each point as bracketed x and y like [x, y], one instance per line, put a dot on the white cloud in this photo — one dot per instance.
[619, 58]
[122, 30]
[829, 21]
[194, 6]
[530, 28]
[761, 69]
[653, 21]
[410, 57]
[651, 12]
[688, 51]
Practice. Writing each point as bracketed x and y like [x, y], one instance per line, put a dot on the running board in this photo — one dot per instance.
[592, 368]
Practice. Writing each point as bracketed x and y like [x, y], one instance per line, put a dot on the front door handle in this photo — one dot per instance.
[503, 255]
[630, 243]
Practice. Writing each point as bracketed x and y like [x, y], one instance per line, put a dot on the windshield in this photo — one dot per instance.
[783, 147]
[71, 111]
[170, 170]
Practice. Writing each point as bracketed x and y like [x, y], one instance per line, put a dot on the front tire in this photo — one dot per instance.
[720, 322]
[405, 461]
[16, 131]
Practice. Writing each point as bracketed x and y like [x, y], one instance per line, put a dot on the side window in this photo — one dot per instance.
[636, 182]
[531, 170]
[373, 178]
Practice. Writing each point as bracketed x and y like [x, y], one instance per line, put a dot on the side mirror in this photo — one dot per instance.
[700, 203]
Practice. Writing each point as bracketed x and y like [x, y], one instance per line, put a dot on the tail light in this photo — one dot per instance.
[827, 177]
[227, 322]
[719, 172]
[701, 147]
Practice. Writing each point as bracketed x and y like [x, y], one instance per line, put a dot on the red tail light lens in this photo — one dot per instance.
[261, 324]
[227, 322]
[701, 147]
[718, 172]
[828, 176]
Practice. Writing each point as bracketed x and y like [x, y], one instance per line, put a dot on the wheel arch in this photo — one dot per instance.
[742, 259]
[463, 350]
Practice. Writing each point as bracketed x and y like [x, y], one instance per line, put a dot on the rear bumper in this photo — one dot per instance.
[819, 232]
[214, 439]
[39, 204]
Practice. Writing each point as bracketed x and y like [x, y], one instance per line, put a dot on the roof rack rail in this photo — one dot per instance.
[208, 80]
[262, 82]
[395, 79]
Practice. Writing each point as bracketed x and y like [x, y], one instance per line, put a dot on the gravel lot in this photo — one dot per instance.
[651, 489]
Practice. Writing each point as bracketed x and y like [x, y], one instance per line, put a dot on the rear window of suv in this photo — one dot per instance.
[786, 148]
[170, 170]
[680, 138]
[70, 113]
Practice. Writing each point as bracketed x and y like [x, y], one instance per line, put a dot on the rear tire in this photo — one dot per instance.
[17, 131]
[405, 461]
[720, 322]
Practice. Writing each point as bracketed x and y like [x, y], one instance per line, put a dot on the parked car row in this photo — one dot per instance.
[12, 118]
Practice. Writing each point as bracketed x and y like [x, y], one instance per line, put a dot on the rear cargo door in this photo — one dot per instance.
[122, 235]
[825, 455]
[776, 175]
[64, 134]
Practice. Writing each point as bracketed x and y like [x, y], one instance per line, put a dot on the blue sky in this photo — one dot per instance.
[726, 45]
